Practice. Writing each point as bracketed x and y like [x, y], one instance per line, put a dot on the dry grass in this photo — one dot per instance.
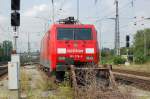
[144, 97]
[91, 87]
[53, 91]
[25, 86]
[47, 84]
[44, 87]
[135, 67]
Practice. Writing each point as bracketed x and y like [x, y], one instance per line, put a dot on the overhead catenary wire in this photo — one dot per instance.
[113, 12]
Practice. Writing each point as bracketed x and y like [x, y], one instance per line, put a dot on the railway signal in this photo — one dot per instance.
[15, 4]
[14, 65]
[15, 19]
[127, 41]
[127, 46]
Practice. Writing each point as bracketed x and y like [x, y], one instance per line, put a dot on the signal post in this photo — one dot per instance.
[14, 65]
[127, 48]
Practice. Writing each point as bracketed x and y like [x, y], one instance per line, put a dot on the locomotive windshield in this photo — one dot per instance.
[74, 34]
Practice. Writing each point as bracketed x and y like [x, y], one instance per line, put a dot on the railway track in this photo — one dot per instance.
[3, 70]
[3, 63]
[134, 78]
[138, 79]
[138, 73]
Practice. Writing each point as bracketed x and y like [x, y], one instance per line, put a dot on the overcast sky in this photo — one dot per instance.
[36, 18]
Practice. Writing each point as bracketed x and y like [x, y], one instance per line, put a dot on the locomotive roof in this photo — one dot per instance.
[73, 25]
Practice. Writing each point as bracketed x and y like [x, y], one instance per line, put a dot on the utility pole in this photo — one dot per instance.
[29, 49]
[100, 29]
[77, 10]
[28, 44]
[145, 40]
[53, 12]
[117, 33]
[144, 37]
[15, 30]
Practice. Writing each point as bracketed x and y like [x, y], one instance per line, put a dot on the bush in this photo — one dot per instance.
[140, 59]
[119, 60]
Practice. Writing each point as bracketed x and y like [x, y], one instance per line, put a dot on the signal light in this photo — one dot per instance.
[127, 44]
[127, 38]
[15, 4]
[127, 41]
[15, 19]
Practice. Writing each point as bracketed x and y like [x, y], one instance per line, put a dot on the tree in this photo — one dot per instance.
[106, 55]
[141, 44]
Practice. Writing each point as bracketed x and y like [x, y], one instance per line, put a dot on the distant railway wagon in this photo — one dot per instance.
[69, 42]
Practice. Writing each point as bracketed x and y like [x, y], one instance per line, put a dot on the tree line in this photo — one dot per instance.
[138, 52]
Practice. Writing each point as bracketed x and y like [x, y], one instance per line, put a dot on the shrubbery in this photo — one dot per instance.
[118, 60]
[140, 59]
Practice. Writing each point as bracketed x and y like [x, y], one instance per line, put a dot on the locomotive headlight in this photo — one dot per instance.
[61, 50]
[61, 58]
[89, 58]
[89, 50]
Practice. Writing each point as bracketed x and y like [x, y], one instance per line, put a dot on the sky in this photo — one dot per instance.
[36, 16]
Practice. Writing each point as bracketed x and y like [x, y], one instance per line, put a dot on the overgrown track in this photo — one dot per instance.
[138, 79]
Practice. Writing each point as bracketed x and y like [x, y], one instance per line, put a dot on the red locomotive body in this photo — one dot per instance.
[64, 43]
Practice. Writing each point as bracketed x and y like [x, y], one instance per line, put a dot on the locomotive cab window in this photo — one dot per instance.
[74, 34]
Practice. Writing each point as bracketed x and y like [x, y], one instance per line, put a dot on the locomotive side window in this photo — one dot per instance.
[74, 34]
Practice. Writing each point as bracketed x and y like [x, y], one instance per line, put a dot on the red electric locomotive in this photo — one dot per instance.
[69, 42]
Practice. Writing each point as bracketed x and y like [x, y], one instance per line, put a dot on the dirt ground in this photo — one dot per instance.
[5, 93]
[137, 93]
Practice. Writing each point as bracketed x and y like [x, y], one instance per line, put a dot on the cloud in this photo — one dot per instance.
[2, 18]
[35, 10]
